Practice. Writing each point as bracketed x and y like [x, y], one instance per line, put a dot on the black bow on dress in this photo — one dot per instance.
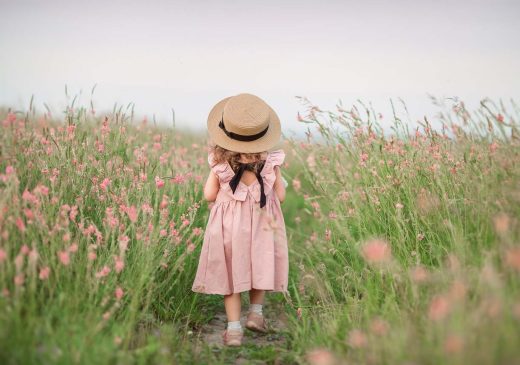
[233, 183]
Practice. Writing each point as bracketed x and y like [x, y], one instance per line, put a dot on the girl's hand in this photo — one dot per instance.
[285, 183]
[279, 186]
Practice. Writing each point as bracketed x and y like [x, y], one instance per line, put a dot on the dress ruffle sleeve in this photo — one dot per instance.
[222, 170]
[275, 158]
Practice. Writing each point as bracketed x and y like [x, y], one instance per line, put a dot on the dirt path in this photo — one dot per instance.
[211, 333]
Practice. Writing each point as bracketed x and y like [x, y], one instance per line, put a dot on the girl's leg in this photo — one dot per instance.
[255, 317]
[256, 300]
[233, 307]
[256, 296]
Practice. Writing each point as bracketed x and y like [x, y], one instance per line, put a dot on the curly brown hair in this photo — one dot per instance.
[220, 154]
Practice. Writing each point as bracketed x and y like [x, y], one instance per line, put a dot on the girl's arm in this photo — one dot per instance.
[278, 186]
[211, 188]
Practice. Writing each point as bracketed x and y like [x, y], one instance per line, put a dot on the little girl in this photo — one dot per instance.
[245, 243]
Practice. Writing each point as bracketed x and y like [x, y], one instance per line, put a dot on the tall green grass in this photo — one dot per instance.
[73, 316]
[445, 202]
[404, 242]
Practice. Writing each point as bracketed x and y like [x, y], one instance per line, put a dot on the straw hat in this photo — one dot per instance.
[244, 123]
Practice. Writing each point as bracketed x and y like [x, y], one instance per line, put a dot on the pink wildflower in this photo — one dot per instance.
[24, 250]
[19, 261]
[119, 293]
[440, 306]
[159, 182]
[457, 290]
[345, 195]
[11, 117]
[29, 197]
[73, 212]
[376, 251]
[20, 224]
[103, 272]
[363, 157]
[296, 184]
[112, 220]
[41, 189]
[64, 257]
[70, 130]
[493, 147]
[19, 279]
[379, 326]
[147, 208]
[100, 146]
[33, 256]
[119, 264]
[44, 273]
[132, 213]
[104, 184]
[419, 274]
[357, 339]
[320, 356]
[513, 258]
[453, 344]
[164, 202]
[123, 243]
[179, 179]
[3, 255]
[28, 214]
[501, 222]
[311, 161]
[190, 247]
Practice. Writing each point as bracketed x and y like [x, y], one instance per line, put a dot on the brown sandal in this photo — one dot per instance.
[232, 337]
[256, 322]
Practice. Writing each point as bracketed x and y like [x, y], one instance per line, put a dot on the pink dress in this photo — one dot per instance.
[244, 246]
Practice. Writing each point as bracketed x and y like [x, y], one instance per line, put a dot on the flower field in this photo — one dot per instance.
[404, 241]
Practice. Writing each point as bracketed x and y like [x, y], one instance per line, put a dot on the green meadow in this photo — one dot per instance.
[404, 240]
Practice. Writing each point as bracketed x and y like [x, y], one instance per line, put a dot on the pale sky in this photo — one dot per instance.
[188, 55]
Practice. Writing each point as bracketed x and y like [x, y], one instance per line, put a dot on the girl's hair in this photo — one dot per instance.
[220, 154]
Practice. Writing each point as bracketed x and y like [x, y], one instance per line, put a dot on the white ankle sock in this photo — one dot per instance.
[257, 308]
[234, 325]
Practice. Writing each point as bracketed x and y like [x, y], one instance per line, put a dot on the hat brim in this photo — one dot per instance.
[264, 143]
